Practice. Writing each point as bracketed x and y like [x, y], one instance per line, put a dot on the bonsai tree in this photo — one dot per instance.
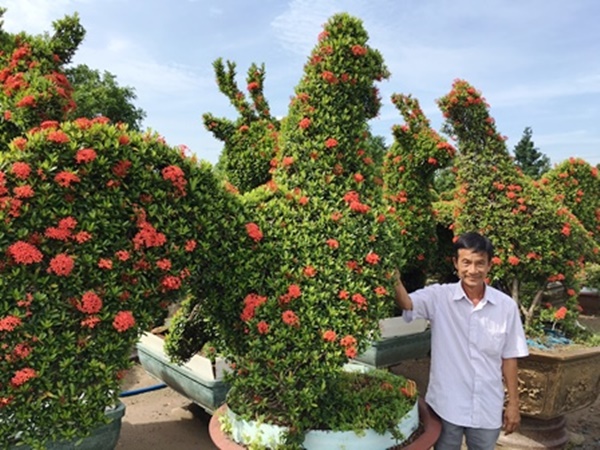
[251, 140]
[324, 247]
[538, 239]
[412, 161]
[100, 229]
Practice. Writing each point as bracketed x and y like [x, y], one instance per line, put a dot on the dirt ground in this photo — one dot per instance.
[164, 420]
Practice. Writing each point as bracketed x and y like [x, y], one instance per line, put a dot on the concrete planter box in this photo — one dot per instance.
[400, 341]
[198, 379]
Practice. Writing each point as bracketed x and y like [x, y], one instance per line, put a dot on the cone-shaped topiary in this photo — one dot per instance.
[251, 140]
[537, 238]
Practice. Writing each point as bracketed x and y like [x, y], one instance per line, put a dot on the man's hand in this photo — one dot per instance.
[512, 418]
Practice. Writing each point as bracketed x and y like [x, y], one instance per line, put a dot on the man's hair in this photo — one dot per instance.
[475, 242]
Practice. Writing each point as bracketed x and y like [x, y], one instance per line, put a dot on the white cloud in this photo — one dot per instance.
[36, 16]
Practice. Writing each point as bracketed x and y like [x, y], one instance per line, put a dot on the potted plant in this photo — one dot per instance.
[100, 231]
[316, 280]
[538, 240]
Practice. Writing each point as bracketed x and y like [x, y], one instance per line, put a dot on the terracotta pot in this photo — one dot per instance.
[431, 424]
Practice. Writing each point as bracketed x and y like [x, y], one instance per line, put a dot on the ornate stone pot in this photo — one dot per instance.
[552, 384]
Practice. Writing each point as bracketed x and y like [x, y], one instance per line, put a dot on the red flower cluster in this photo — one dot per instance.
[331, 143]
[123, 321]
[304, 123]
[90, 303]
[360, 301]
[21, 170]
[65, 178]
[290, 318]
[292, 293]
[121, 168]
[24, 253]
[9, 323]
[170, 283]
[372, 258]
[332, 243]
[263, 327]
[251, 302]
[148, 237]
[22, 376]
[190, 245]
[359, 50]
[253, 85]
[561, 313]
[85, 155]
[329, 335]
[61, 265]
[254, 231]
[176, 176]
[58, 137]
[352, 198]
[24, 191]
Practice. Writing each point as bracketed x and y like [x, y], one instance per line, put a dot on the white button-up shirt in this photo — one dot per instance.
[468, 344]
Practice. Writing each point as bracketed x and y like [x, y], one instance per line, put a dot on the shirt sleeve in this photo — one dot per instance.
[423, 301]
[516, 343]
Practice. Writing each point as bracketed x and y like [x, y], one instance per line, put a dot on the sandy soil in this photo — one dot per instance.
[164, 420]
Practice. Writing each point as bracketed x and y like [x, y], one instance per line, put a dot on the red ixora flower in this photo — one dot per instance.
[58, 137]
[332, 243]
[253, 85]
[61, 265]
[65, 178]
[19, 142]
[329, 335]
[263, 327]
[359, 50]
[170, 283]
[24, 253]
[251, 302]
[513, 260]
[121, 168]
[309, 271]
[290, 318]
[304, 123]
[105, 263]
[123, 321]
[9, 323]
[254, 231]
[90, 303]
[85, 155]
[331, 143]
[24, 191]
[190, 245]
[21, 170]
[561, 313]
[372, 258]
[22, 376]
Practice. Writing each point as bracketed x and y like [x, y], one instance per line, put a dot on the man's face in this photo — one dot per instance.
[472, 267]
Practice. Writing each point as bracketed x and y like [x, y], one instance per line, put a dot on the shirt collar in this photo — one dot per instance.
[459, 293]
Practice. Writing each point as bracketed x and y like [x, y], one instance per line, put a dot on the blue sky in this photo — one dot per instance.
[535, 61]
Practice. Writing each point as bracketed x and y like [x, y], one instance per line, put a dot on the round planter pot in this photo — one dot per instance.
[105, 437]
[331, 441]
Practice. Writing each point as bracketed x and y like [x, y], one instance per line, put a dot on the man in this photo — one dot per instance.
[476, 336]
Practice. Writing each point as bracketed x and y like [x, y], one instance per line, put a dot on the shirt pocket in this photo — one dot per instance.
[491, 341]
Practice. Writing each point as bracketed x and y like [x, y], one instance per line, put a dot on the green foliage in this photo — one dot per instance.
[34, 87]
[409, 171]
[100, 95]
[251, 140]
[578, 186]
[538, 240]
[532, 162]
[101, 228]
[318, 277]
